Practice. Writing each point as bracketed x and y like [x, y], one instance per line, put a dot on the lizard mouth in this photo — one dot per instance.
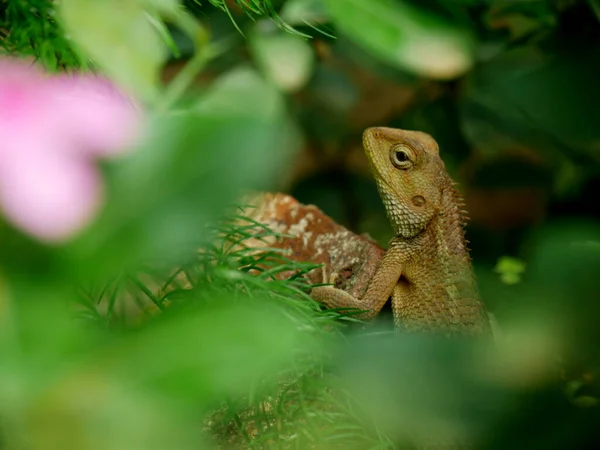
[369, 141]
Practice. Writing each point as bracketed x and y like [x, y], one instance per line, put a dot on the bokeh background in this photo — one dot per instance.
[128, 336]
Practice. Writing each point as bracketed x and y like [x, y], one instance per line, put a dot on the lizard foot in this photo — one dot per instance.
[333, 297]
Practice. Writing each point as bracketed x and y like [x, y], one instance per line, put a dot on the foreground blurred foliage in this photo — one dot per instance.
[186, 339]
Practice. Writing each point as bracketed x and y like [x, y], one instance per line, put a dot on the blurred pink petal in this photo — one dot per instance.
[21, 96]
[19, 69]
[52, 129]
[100, 119]
[49, 195]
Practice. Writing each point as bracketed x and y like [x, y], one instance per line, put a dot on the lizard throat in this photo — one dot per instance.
[405, 222]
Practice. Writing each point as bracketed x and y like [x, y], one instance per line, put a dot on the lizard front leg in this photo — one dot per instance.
[378, 291]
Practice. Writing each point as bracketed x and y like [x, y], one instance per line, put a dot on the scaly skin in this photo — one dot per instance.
[427, 269]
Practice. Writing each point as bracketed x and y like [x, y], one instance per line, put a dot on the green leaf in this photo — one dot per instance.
[510, 269]
[419, 387]
[543, 97]
[193, 165]
[121, 39]
[285, 59]
[304, 12]
[213, 343]
[150, 387]
[405, 37]
[595, 5]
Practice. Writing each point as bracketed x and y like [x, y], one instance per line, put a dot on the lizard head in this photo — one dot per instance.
[410, 176]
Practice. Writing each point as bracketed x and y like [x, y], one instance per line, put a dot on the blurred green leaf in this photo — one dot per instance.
[522, 19]
[334, 94]
[121, 38]
[421, 389]
[405, 36]
[221, 348]
[564, 270]
[286, 60]
[194, 164]
[75, 412]
[307, 12]
[63, 383]
[573, 393]
[543, 99]
[595, 5]
[510, 269]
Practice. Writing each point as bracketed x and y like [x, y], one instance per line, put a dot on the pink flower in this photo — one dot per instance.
[52, 130]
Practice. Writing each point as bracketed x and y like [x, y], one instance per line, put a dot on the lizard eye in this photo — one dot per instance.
[401, 157]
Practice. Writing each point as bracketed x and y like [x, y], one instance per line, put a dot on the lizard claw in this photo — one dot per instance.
[333, 277]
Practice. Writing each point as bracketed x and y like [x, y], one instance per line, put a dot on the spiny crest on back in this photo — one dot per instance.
[459, 203]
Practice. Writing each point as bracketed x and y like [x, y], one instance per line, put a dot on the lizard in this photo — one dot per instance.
[426, 269]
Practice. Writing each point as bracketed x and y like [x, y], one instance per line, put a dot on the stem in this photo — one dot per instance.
[183, 79]
[186, 76]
